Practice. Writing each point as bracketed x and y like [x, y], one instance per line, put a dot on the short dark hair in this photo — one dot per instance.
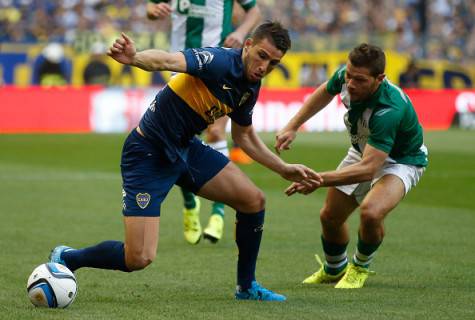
[370, 57]
[275, 33]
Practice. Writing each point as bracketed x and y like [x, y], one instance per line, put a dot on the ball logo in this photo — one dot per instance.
[143, 199]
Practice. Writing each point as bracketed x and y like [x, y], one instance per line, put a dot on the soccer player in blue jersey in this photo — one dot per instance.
[163, 150]
[196, 24]
[386, 159]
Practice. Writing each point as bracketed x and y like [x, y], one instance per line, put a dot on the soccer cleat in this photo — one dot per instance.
[55, 254]
[192, 225]
[214, 230]
[259, 293]
[321, 276]
[237, 155]
[354, 278]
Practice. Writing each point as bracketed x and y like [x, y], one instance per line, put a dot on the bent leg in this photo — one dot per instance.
[217, 131]
[105, 255]
[216, 139]
[337, 207]
[234, 188]
[141, 241]
[380, 200]
[139, 250]
[386, 193]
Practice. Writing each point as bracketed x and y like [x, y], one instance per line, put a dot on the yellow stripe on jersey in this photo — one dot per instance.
[198, 97]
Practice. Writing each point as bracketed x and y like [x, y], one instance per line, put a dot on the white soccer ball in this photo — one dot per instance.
[52, 285]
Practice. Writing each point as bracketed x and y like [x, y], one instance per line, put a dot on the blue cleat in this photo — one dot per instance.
[257, 292]
[55, 255]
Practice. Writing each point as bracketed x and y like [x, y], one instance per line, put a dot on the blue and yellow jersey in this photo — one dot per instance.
[214, 85]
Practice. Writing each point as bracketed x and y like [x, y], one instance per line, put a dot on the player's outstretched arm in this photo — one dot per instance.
[371, 162]
[123, 50]
[247, 138]
[319, 99]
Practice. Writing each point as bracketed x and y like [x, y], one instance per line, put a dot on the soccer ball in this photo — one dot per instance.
[52, 285]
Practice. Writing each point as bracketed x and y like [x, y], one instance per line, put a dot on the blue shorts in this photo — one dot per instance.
[148, 174]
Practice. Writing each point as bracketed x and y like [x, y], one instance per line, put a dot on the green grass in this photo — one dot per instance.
[59, 189]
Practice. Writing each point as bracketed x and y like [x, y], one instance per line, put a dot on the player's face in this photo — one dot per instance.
[260, 58]
[360, 83]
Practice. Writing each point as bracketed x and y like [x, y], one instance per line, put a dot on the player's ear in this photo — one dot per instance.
[381, 77]
[248, 43]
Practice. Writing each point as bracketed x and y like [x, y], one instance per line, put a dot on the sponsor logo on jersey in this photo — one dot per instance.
[225, 87]
[382, 112]
[152, 105]
[244, 98]
[143, 199]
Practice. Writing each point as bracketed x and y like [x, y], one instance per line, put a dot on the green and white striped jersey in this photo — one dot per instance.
[201, 23]
[386, 121]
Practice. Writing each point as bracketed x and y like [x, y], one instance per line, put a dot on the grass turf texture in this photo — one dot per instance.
[66, 189]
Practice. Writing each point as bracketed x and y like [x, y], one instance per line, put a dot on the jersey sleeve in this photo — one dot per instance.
[335, 83]
[383, 127]
[207, 63]
[247, 4]
[243, 115]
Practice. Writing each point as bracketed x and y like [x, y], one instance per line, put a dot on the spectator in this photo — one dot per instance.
[97, 72]
[410, 77]
[408, 26]
[51, 68]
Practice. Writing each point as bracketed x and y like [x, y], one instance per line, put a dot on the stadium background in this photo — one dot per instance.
[66, 187]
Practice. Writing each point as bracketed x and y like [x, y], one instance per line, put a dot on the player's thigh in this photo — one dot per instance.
[217, 131]
[337, 206]
[141, 238]
[147, 177]
[232, 187]
[384, 196]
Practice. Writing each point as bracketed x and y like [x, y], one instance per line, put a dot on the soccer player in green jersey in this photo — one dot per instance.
[200, 23]
[386, 159]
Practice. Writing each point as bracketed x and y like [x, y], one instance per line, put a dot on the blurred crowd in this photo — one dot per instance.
[439, 29]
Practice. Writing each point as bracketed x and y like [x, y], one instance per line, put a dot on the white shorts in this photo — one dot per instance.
[408, 174]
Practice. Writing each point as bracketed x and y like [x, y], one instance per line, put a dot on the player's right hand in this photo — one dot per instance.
[122, 50]
[158, 10]
[283, 139]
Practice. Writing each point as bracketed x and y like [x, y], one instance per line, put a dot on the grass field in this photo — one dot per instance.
[66, 189]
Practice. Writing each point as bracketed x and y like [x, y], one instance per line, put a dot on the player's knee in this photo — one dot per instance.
[137, 262]
[215, 134]
[370, 216]
[253, 202]
[328, 219]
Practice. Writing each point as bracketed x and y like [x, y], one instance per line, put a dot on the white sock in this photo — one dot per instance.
[221, 147]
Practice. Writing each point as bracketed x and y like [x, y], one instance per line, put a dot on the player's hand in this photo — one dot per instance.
[234, 40]
[302, 174]
[158, 10]
[297, 187]
[122, 50]
[283, 139]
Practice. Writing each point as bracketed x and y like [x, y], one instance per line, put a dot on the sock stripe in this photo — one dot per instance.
[336, 258]
[337, 265]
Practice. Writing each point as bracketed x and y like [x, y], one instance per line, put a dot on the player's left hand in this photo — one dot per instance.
[234, 40]
[123, 50]
[307, 188]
